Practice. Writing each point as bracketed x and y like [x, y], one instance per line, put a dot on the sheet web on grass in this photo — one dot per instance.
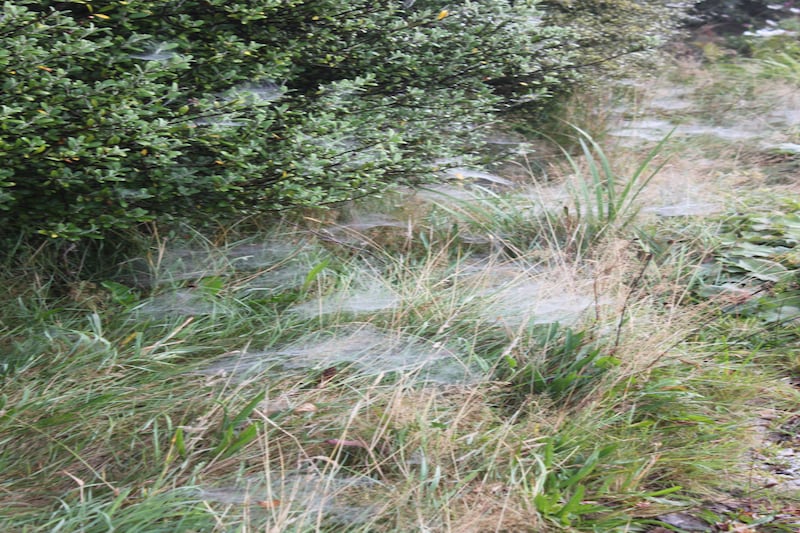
[267, 267]
[363, 348]
[512, 294]
[186, 262]
[370, 298]
[339, 499]
[179, 302]
[361, 227]
[530, 302]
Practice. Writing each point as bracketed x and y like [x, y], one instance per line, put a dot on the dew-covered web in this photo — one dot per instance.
[177, 302]
[477, 176]
[367, 221]
[176, 275]
[372, 297]
[512, 294]
[339, 499]
[359, 228]
[158, 52]
[363, 348]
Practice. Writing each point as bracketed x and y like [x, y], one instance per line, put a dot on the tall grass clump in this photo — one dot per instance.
[601, 202]
[233, 408]
[604, 201]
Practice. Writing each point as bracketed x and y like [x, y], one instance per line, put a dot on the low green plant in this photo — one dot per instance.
[562, 363]
[562, 494]
[782, 66]
[757, 255]
[98, 509]
[237, 431]
[558, 432]
[494, 221]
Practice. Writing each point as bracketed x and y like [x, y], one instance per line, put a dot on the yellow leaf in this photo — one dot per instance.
[143, 151]
[129, 338]
[101, 16]
[442, 14]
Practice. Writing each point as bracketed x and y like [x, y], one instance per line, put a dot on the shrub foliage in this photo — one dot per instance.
[116, 113]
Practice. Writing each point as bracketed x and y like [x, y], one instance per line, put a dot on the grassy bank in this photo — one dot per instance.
[543, 356]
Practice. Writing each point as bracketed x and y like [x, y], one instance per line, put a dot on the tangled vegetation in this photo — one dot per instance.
[118, 113]
[604, 340]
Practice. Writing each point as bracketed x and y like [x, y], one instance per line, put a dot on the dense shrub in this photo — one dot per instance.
[610, 32]
[115, 113]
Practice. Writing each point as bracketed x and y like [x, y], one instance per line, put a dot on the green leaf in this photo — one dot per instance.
[245, 437]
[588, 467]
[180, 444]
[248, 409]
[572, 507]
[120, 294]
[762, 269]
[313, 273]
[662, 492]
[212, 285]
[545, 503]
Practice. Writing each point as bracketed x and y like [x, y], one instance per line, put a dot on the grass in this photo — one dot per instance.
[569, 431]
[489, 364]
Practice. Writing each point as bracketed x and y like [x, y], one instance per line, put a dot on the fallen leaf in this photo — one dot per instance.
[684, 521]
[307, 407]
[327, 375]
[268, 504]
